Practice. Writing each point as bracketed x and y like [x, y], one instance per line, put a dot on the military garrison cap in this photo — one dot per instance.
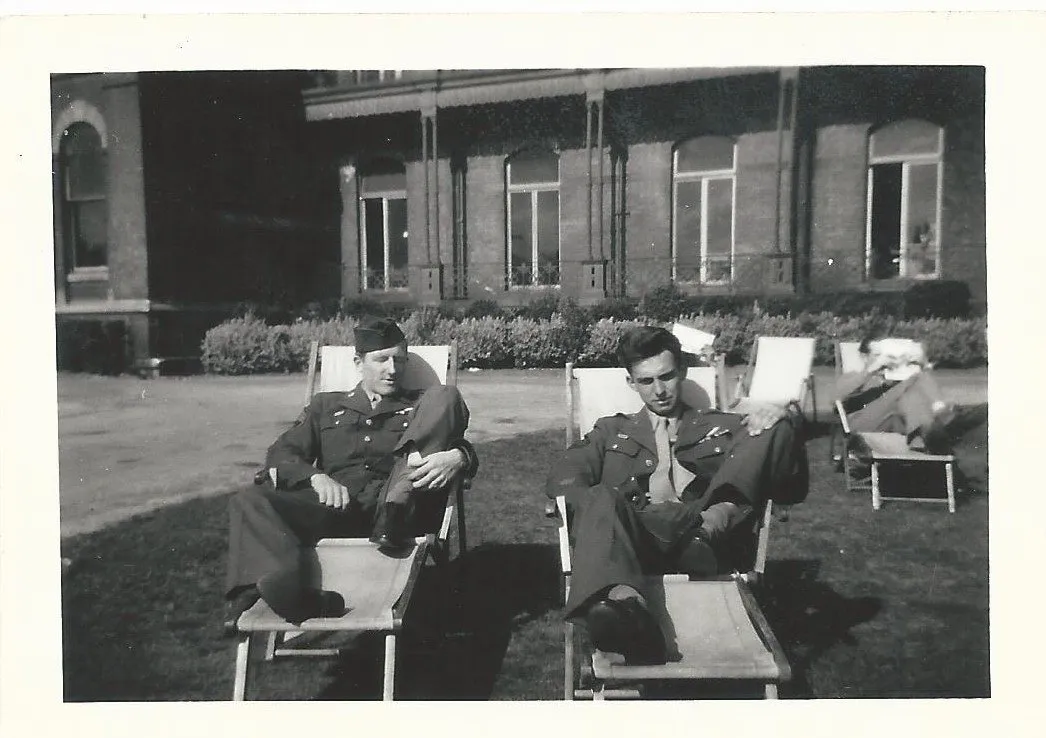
[375, 334]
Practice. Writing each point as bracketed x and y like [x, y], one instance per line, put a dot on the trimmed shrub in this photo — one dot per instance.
[246, 346]
[483, 309]
[937, 299]
[482, 342]
[601, 347]
[617, 308]
[665, 302]
[540, 343]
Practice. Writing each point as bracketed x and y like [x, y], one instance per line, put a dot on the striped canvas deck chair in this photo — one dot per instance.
[715, 626]
[377, 588]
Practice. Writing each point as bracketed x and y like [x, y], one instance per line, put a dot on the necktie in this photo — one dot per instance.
[681, 477]
[661, 489]
[670, 477]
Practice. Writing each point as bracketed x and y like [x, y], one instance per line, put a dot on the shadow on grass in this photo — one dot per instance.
[461, 624]
[809, 617]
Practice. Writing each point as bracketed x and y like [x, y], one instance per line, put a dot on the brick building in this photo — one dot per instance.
[178, 197]
[430, 186]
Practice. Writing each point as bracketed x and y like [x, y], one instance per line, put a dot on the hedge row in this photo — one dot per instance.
[932, 299]
[248, 345]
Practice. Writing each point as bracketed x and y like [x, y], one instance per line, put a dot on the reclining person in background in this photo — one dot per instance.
[372, 461]
[894, 394]
[662, 490]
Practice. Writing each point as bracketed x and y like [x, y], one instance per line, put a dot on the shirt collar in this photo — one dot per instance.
[672, 421]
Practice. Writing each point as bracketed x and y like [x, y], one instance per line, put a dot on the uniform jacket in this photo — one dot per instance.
[620, 452]
[339, 434]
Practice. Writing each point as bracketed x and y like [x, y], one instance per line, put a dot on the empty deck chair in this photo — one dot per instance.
[779, 371]
[377, 588]
[714, 626]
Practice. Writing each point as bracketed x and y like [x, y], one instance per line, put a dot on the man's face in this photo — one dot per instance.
[658, 380]
[382, 370]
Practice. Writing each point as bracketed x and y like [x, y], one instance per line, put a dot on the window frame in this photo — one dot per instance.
[71, 207]
[704, 176]
[906, 161]
[533, 188]
[384, 196]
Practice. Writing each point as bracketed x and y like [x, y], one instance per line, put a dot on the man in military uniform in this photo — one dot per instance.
[375, 460]
[662, 490]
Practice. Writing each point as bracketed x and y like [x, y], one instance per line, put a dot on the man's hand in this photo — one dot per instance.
[761, 416]
[437, 469]
[330, 492]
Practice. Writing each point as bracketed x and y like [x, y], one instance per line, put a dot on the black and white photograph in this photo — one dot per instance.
[654, 377]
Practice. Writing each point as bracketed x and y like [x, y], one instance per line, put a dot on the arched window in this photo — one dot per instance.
[703, 191]
[532, 197]
[383, 225]
[84, 209]
[903, 228]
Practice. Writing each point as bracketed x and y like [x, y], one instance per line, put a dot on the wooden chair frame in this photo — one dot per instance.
[284, 639]
[611, 679]
[844, 362]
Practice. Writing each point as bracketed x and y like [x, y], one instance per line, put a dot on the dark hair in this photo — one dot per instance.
[875, 331]
[646, 342]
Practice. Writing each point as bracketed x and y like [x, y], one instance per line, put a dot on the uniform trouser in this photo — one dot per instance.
[907, 407]
[268, 529]
[616, 543]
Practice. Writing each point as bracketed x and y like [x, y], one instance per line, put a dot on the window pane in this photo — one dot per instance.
[720, 216]
[922, 219]
[688, 231]
[520, 244]
[85, 176]
[81, 138]
[398, 276]
[375, 225]
[705, 154]
[886, 221]
[548, 237]
[531, 167]
[905, 138]
[90, 231]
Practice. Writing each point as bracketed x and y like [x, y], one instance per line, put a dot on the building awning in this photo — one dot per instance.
[494, 87]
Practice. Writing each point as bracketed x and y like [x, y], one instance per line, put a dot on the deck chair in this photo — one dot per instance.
[693, 340]
[847, 359]
[377, 588]
[779, 371]
[715, 625]
[865, 453]
[699, 342]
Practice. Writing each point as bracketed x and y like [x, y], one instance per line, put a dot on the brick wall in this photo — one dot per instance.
[839, 205]
[128, 254]
[648, 199]
[485, 221]
[963, 241]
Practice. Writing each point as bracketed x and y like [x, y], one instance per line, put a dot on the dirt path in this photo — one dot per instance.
[128, 445]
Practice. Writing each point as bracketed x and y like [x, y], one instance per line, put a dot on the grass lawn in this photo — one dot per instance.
[866, 604]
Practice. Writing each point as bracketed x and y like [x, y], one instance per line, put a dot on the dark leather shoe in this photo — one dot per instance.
[626, 627]
[697, 559]
[393, 537]
[237, 606]
[284, 592]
